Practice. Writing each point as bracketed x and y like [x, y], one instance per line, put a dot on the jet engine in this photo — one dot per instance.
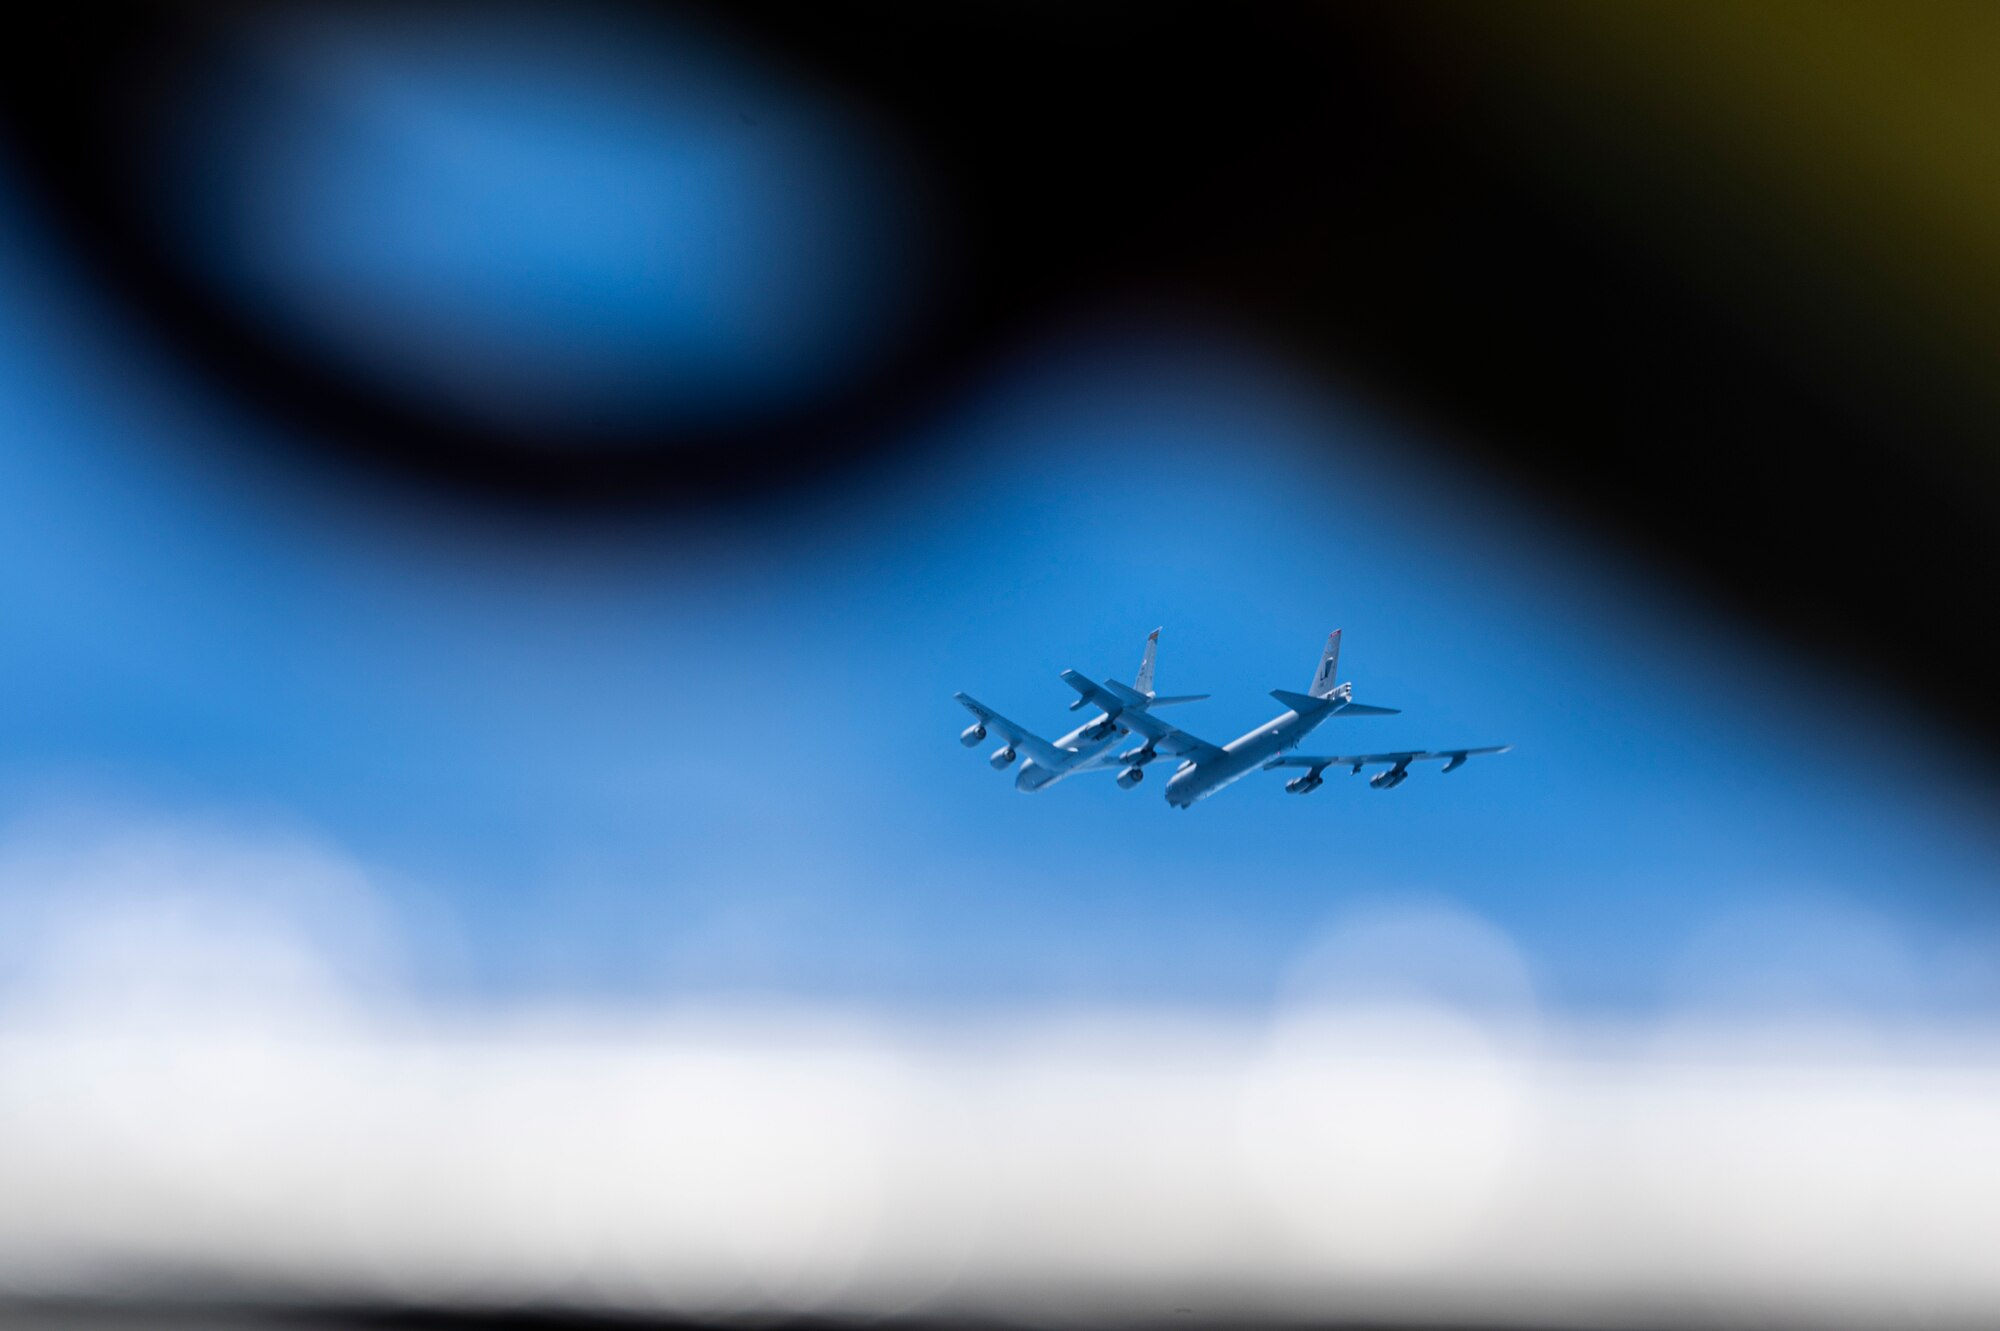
[1304, 785]
[1100, 729]
[1003, 757]
[971, 735]
[1138, 757]
[1130, 777]
[1390, 779]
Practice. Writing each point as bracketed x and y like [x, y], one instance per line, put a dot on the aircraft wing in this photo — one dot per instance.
[1451, 758]
[1166, 738]
[1023, 739]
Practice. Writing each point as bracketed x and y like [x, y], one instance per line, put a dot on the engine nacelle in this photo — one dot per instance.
[1304, 785]
[1003, 757]
[1138, 757]
[1130, 777]
[1456, 761]
[1390, 779]
[972, 735]
[1100, 729]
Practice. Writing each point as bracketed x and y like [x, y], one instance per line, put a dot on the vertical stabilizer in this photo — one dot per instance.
[1327, 678]
[1144, 683]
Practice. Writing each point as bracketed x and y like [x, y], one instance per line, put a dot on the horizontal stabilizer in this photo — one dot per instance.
[1302, 703]
[1306, 704]
[1175, 699]
[1126, 694]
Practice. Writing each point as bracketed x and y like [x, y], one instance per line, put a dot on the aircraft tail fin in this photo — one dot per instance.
[1113, 698]
[1144, 682]
[1327, 678]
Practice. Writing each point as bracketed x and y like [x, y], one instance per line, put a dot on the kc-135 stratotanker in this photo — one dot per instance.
[1127, 711]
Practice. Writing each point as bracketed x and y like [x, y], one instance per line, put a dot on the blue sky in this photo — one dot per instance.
[715, 755]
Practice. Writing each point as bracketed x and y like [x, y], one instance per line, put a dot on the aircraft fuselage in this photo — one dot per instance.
[1033, 776]
[1198, 779]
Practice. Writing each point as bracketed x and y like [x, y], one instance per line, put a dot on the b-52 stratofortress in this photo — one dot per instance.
[1206, 768]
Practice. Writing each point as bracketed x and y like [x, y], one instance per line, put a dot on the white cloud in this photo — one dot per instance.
[207, 1072]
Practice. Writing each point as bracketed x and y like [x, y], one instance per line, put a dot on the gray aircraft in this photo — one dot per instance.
[1207, 768]
[1089, 747]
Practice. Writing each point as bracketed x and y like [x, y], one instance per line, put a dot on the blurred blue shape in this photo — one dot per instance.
[546, 219]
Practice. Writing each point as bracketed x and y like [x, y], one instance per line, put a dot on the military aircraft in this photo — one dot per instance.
[1087, 748]
[1207, 768]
